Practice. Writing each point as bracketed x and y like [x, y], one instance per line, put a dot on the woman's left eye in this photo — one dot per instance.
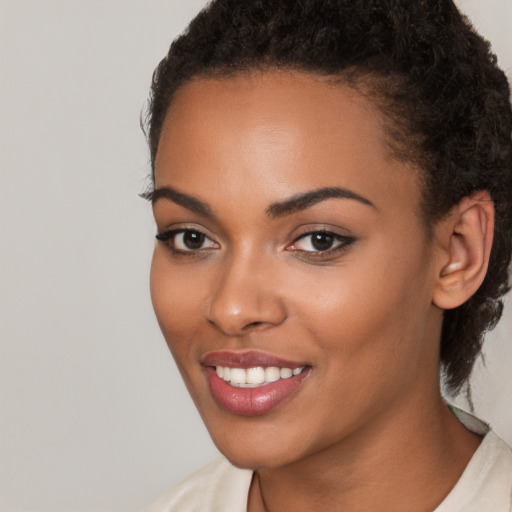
[324, 242]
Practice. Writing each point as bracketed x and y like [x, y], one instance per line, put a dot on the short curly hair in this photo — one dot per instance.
[446, 102]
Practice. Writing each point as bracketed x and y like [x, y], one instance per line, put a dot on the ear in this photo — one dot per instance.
[465, 238]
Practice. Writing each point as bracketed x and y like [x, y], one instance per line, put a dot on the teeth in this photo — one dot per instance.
[272, 374]
[254, 377]
[238, 376]
[285, 373]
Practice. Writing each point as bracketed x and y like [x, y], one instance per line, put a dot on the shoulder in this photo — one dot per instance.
[486, 483]
[218, 486]
[496, 478]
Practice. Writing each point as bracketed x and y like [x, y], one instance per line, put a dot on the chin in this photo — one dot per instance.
[256, 447]
[257, 459]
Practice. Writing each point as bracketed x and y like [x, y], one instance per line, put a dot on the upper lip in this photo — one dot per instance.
[248, 359]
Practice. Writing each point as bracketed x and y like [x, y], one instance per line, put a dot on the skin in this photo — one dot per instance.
[368, 429]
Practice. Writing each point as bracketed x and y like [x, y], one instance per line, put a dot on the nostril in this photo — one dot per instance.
[256, 326]
[253, 324]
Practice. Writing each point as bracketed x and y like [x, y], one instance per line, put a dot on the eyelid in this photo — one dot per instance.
[179, 227]
[312, 228]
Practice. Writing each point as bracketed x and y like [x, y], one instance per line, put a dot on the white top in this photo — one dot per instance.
[485, 485]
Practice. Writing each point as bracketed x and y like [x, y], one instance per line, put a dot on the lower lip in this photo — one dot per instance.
[253, 401]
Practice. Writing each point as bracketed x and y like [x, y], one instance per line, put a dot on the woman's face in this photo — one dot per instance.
[291, 240]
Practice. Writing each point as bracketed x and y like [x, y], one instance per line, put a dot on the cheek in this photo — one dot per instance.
[368, 316]
[177, 304]
[363, 334]
[177, 301]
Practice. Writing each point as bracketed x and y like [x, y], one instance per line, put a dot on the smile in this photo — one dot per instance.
[252, 383]
[255, 377]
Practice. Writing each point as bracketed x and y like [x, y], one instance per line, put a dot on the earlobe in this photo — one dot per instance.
[466, 238]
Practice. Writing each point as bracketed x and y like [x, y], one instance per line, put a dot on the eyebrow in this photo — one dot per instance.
[294, 204]
[185, 200]
[305, 200]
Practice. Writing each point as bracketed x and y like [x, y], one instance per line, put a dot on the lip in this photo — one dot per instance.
[248, 359]
[251, 401]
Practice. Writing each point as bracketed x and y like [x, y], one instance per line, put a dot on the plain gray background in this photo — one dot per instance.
[93, 414]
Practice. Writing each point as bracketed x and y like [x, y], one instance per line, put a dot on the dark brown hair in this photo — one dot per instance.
[432, 75]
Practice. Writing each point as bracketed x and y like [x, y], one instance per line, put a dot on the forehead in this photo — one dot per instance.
[274, 134]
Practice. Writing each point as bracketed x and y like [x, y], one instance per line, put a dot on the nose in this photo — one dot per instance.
[245, 298]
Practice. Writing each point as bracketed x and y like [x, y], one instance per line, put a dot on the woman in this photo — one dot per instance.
[333, 200]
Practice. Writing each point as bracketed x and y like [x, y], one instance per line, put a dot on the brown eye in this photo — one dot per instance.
[193, 240]
[322, 241]
[186, 240]
[321, 245]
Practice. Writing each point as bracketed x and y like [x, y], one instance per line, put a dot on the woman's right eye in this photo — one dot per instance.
[186, 240]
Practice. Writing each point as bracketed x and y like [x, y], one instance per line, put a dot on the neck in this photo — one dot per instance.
[382, 468]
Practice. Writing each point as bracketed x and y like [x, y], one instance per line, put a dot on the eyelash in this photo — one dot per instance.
[168, 238]
[343, 243]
